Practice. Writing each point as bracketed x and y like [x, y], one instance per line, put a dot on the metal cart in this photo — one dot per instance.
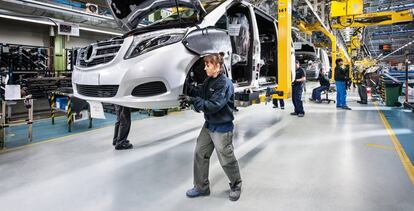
[71, 106]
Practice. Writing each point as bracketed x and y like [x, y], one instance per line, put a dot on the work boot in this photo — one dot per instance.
[361, 102]
[346, 108]
[193, 192]
[123, 145]
[116, 141]
[293, 113]
[235, 191]
[301, 115]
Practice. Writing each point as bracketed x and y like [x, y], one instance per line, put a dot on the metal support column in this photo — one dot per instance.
[69, 114]
[30, 121]
[53, 108]
[284, 48]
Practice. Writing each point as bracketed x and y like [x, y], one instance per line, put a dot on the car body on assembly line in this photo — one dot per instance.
[312, 59]
[155, 61]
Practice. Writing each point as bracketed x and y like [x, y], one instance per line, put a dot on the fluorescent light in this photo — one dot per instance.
[47, 22]
[27, 19]
[100, 31]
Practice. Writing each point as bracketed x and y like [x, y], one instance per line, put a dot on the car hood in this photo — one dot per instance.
[129, 13]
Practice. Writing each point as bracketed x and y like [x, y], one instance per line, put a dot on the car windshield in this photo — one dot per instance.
[183, 15]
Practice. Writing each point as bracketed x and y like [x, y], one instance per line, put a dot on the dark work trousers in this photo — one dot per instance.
[223, 143]
[123, 123]
[362, 91]
[277, 101]
[297, 90]
[316, 93]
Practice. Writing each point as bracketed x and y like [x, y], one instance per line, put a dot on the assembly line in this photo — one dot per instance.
[206, 105]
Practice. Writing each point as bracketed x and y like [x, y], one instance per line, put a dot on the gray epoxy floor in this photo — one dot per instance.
[320, 162]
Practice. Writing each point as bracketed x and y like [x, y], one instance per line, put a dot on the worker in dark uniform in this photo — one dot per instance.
[362, 88]
[215, 98]
[122, 128]
[297, 90]
[324, 86]
[341, 78]
[276, 103]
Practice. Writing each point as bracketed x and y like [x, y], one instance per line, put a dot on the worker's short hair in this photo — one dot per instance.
[339, 60]
[297, 62]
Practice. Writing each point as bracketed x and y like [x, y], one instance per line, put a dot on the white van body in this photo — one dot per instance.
[151, 65]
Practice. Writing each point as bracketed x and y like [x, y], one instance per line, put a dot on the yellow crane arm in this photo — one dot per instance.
[372, 19]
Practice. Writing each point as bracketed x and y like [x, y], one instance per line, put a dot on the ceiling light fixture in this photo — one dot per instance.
[50, 23]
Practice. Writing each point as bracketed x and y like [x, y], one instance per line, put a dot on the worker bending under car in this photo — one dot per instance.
[297, 90]
[324, 86]
[122, 128]
[215, 98]
[341, 79]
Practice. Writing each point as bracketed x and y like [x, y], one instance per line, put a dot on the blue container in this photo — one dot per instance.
[61, 103]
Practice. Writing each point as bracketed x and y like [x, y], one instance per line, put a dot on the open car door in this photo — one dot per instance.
[210, 40]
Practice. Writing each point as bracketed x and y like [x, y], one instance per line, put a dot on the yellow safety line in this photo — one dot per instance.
[381, 147]
[409, 168]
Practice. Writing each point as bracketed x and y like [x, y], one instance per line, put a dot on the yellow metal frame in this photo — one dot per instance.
[355, 43]
[284, 48]
[302, 27]
[332, 38]
[348, 7]
[363, 20]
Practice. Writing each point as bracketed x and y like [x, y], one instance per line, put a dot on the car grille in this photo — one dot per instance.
[99, 53]
[97, 90]
[149, 89]
[101, 60]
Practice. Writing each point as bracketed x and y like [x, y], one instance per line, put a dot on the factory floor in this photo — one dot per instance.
[329, 160]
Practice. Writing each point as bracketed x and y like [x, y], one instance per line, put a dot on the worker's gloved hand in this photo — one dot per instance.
[185, 101]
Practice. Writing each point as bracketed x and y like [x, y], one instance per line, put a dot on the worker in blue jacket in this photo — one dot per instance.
[215, 98]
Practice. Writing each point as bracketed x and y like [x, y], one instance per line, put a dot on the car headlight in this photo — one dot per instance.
[144, 44]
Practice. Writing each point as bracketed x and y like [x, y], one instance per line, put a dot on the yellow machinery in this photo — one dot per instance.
[345, 13]
[350, 14]
[318, 27]
[365, 63]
